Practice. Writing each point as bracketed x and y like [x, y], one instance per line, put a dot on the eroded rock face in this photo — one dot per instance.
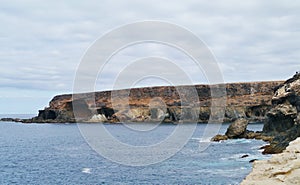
[280, 118]
[282, 168]
[283, 119]
[246, 100]
[282, 123]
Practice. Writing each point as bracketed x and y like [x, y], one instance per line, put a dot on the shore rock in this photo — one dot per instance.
[283, 120]
[237, 129]
[219, 137]
[282, 168]
[11, 119]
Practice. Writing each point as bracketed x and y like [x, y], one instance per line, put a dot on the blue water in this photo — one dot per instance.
[58, 154]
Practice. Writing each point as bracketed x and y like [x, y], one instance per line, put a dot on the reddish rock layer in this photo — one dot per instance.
[248, 100]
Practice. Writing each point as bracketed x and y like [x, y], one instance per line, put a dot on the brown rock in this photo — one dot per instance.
[219, 137]
[249, 99]
[237, 129]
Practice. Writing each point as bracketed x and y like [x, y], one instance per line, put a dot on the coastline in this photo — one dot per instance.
[279, 114]
[281, 168]
[251, 100]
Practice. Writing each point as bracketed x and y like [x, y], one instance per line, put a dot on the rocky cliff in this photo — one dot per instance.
[282, 168]
[282, 123]
[248, 100]
[283, 120]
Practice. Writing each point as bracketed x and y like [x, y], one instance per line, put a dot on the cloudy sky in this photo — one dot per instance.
[42, 42]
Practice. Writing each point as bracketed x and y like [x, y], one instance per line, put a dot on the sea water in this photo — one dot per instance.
[58, 154]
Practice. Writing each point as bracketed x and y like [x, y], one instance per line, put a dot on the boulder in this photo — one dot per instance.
[98, 118]
[237, 129]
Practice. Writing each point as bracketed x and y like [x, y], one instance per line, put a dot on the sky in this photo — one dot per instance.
[42, 42]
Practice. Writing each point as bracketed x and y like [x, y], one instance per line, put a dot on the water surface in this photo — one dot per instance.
[58, 154]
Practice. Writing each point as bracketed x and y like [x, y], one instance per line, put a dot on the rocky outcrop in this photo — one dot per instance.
[244, 100]
[283, 119]
[237, 129]
[282, 168]
[11, 119]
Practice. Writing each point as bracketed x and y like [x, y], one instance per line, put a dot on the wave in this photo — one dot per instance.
[86, 170]
[202, 140]
[238, 141]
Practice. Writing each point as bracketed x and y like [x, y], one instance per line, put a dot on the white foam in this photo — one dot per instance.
[86, 170]
[202, 140]
[237, 141]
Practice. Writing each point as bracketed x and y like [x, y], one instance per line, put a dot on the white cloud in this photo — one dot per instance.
[41, 43]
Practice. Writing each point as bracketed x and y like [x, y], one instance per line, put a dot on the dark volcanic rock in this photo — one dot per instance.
[11, 119]
[252, 160]
[283, 119]
[280, 118]
[7, 119]
[244, 156]
[237, 129]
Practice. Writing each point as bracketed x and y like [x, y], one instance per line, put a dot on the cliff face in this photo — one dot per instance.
[282, 168]
[248, 100]
[284, 118]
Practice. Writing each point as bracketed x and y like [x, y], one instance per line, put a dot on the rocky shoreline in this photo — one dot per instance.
[281, 125]
[276, 103]
[282, 168]
[282, 130]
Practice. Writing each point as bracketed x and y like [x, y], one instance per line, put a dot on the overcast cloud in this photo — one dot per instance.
[42, 42]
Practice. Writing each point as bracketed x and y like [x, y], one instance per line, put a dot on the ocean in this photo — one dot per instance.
[58, 154]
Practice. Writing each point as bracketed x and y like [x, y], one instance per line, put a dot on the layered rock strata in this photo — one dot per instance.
[248, 100]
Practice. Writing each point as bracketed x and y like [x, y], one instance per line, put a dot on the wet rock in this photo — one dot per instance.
[219, 137]
[244, 156]
[252, 160]
[11, 119]
[8, 119]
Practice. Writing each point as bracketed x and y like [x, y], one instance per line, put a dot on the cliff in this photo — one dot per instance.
[282, 168]
[283, 119]
[282, 123]
[248, 100]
